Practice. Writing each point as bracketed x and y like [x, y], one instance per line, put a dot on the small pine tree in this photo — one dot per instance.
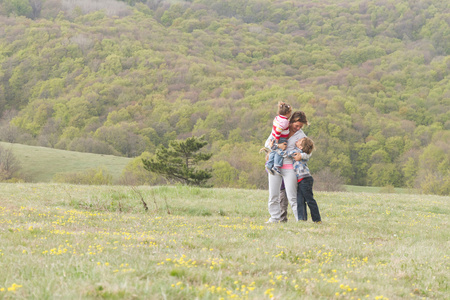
[178, 161]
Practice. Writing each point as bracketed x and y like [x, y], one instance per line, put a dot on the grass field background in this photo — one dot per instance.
[375, 189]
[40, 164]
[86, 242]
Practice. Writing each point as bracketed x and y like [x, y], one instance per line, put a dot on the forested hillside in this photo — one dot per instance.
[124, 77]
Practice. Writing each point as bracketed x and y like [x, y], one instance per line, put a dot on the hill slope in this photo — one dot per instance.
[40, 164]
[372, 76]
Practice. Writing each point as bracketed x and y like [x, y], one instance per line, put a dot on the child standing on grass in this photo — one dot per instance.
[279, 135]
[301, 155]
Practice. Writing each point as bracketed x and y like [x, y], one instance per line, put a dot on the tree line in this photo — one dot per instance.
[125, 77]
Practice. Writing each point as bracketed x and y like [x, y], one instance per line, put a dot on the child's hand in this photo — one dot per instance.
[271, 143]
[297, 156]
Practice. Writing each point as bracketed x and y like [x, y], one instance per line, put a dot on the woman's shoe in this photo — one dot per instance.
[271, 221]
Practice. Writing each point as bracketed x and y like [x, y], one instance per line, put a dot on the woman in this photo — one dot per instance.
[296, 123]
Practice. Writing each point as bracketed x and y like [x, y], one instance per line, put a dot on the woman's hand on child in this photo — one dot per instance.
[297, 156]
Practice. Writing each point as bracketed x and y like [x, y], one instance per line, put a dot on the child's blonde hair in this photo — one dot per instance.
[284, 108]
[307, 145]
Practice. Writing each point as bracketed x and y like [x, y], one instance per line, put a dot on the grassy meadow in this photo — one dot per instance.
[86, 242]
[376, 189]
[40, 164]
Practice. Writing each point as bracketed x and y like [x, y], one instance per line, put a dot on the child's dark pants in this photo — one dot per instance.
[305, 195]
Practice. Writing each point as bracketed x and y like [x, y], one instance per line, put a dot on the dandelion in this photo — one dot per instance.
[14, 287]
[268, 291]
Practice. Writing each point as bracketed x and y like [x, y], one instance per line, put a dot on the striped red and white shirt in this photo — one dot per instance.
[280, 128]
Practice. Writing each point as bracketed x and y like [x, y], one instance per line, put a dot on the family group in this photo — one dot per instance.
[290, 180]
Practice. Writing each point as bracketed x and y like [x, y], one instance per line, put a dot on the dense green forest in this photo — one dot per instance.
[123, 78]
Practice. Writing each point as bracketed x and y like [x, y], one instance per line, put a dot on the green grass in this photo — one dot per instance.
[88, 242]
[40, 164]
[374, 189]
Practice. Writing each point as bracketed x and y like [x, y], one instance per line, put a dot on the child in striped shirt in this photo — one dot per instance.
[280, 134]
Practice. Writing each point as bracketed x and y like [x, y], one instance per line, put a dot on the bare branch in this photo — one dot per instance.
[142, 198]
